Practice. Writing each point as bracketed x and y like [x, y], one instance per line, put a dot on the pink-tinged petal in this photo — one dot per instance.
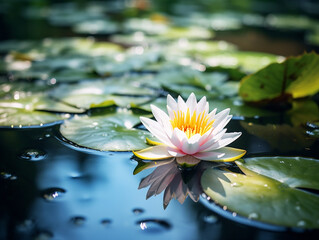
[153, 153]
[181, 104]
[221, 124]
[174, 152]
[211, 115]
[201, 105]
[178, 138]
[206, 137]
[192, 145]
[162, 119]
[156, 129]
[214, 139]
[191, 103]
[170, 112]
[221, 116]
[225, 154]
[172, 103]
[224, 141]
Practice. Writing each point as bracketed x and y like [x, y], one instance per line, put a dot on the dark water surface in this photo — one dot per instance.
[52, 190]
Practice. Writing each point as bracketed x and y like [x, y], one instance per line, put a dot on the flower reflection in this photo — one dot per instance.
[176, 181]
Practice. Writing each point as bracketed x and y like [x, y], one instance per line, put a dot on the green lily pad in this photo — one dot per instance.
[263, 199]
[99, 26]
[289, 22]
[145, 25]
[21, 89]
[313, 37]
[197, 49]
[192, 32]
[109, 132]
[39, 102]
[15, 117]
[294, 171]
[290, 78]
[247, 61]
[97, 93]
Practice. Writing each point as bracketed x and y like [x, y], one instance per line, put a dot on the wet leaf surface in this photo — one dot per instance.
[261, 198]
[290, 78]
[110, 132]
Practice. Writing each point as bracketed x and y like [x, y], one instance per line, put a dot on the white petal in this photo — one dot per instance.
[178, 138]
[181, 104]
[218, 126]
[221, 115]
[153, 153]
[224, 141]
[192, 145]
[226, 154]
[170, 112]
[211, 115]
[212, 140]
[156, 129]
[191, 103]
[175, 152]
[172, 103]
[162, 119]
[201, 106]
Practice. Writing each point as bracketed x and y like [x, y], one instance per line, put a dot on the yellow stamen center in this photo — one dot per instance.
[191, 124]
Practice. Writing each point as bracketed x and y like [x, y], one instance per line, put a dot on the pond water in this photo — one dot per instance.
[54, 185]
[53, 190]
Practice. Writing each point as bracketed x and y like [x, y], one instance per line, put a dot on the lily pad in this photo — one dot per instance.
[262, 199]
[279, 80]
[99, 26]
[107, 132]
[96, 93]
[39, 102]
[15, 117]
[296, 172]
[289, 22]
[247, 61]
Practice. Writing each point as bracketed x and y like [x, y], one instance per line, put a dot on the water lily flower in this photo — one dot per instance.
[189, 129]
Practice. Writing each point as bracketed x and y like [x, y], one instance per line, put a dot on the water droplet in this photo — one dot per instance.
[235, 184]
[298, 208]
[282, 161]
[138, 211]
[33, 155]
[51, 194]
[47, 135]
[266, 185]
[211, 218]
[106, 222]
[225, 208]
[234, 214]
[78, 220]
[154, 225]
[301, 223]
[8, 176]
[253, 215]
[44, 235]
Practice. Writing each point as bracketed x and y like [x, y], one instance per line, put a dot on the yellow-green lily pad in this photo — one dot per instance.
[292, 78]
[263, 199]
